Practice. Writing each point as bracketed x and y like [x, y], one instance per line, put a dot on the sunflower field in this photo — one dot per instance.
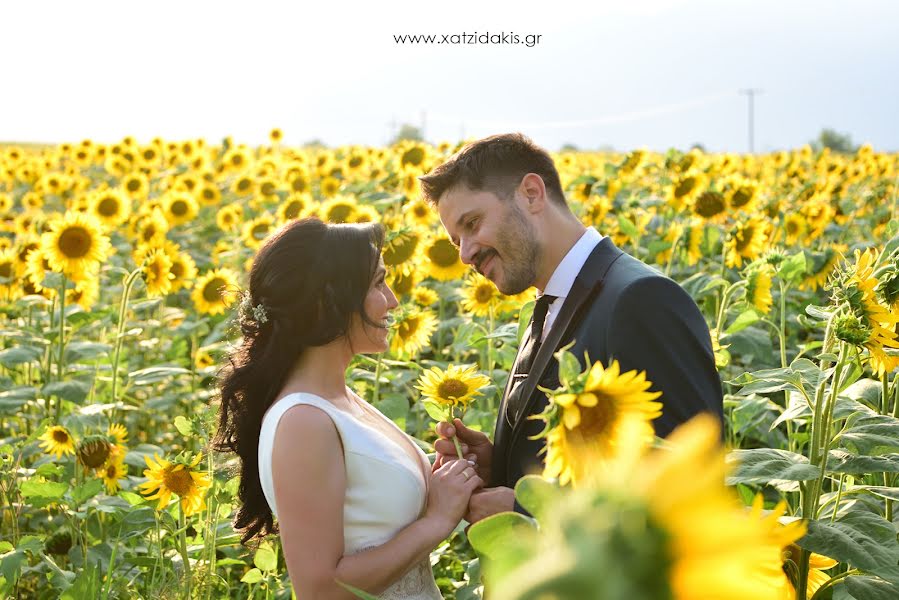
[120, 271]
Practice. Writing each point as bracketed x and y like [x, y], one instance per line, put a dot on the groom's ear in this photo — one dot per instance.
[532, 192]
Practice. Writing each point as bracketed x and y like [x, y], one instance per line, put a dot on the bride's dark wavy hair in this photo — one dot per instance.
[310, 278]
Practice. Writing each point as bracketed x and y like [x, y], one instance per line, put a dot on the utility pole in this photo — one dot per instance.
[750, 93]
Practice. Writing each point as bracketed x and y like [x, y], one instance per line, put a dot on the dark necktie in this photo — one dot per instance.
[526, 358]
[537, 321]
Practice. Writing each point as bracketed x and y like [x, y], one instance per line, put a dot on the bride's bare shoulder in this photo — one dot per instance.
[308, 428]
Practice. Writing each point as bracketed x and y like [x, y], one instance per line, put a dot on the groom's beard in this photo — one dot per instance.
[518, 251]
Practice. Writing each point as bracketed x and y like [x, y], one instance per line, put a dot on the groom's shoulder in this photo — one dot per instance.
[630, 280]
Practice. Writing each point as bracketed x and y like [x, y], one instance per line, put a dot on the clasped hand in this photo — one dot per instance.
[476, 447]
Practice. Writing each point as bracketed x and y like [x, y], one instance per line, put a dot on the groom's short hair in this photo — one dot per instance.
[496, 164]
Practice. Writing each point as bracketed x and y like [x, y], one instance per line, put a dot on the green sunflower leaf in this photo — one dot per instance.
[769, 465]
[862, 539]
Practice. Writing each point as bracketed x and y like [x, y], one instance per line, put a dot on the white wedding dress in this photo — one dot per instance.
[385, 489]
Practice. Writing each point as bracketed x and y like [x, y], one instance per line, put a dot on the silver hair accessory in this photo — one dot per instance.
[258, 312]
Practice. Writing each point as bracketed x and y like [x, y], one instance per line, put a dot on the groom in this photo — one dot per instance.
[501, 202]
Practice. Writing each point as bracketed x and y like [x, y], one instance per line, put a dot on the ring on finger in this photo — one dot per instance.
[468, 473]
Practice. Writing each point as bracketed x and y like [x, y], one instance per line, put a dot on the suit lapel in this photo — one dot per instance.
[587, 284]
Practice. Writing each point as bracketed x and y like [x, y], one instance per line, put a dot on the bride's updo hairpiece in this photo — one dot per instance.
[247, 313]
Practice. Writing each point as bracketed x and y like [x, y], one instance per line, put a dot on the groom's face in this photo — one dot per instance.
[493, 235]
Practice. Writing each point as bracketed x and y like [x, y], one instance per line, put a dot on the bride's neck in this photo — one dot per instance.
[322, 369]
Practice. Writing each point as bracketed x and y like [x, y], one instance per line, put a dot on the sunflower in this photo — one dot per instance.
[697, 540]
[85, 293]
[402, 249]
[710, 205]
[339, 209]
[57, 440]
[479, 296]
[758, 288]
[413, 330]
[413, 157]
[794, 228]
[822, 264]
[157, 270]
[456, 386]
[118, 433]
[8, 266]
[179, 208]
[329, 187]
[228, 217]
[203, 359]
[183, 269]
[425, 297]
[151, 228]
[136, 186]
[275, 135]
[719, 552]
[684, 189]
[294, 207]
[243, 185]
[180, 478]
[209, 194]
[365, 213]
[356, 163]
[746, 241]
[111, 206]
[298, 182]
[590, 426]
[595, 210]
[865, 322]
[444, 263]
[237, 158]
[785, 535]
[93, 451]
[255, 231]
[404, 284]
[75, 244]
[743, 195]
[111, 473]
[209, 294]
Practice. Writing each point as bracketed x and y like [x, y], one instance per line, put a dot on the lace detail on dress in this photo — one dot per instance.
[417, 584]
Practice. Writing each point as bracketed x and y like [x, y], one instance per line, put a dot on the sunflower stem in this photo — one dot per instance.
[60, 365]
[449, 420]
[896, 396]
[182, 539]
[376, 395]
[123, 307]
[211, 520]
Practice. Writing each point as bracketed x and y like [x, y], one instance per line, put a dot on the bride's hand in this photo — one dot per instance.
[450, 488]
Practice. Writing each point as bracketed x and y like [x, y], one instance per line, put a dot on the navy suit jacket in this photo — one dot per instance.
[618, 308]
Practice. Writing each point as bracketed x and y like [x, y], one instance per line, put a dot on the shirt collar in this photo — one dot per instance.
[563, 277]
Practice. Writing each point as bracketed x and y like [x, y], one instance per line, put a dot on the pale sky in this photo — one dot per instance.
[653, 74]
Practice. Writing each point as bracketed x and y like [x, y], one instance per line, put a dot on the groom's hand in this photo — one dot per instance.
[489, 501]
[474, 443]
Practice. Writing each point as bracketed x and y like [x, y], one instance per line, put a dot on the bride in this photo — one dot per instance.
[355, 498]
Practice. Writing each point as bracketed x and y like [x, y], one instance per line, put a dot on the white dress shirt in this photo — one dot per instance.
[563, 277]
